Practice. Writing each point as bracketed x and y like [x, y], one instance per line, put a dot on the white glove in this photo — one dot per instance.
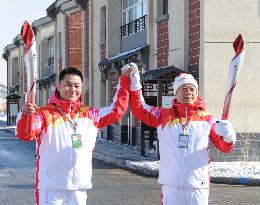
[125, 67]
[134, 76]
[225, 129]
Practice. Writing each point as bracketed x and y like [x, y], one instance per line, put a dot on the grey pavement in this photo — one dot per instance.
[17, 168]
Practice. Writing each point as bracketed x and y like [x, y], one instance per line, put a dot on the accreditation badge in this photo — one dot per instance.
[183, 141]
[76, 140]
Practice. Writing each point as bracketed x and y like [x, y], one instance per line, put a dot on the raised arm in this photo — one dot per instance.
[111, 114]
[21, 123]
[150, 115]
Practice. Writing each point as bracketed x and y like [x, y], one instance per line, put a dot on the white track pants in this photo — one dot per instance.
[184, 196]
[66, 197]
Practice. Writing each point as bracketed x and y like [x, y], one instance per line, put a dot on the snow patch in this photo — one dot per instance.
[249, 170]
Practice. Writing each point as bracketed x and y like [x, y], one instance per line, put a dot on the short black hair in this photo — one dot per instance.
[70, 71]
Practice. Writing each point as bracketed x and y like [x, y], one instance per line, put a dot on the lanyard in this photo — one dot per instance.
[187, 121]
[72, 123]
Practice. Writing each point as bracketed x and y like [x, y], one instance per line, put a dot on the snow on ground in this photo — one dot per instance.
[249, 170]
[148, 165]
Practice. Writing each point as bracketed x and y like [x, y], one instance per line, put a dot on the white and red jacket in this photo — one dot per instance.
[59, 166]
[181, 167]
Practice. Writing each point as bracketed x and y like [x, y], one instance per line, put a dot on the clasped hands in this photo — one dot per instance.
[131, 70]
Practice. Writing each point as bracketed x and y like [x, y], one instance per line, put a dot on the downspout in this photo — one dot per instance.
[91, 54]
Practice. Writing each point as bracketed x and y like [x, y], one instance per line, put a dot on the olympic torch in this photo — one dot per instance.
[30, 61]
[234, 69]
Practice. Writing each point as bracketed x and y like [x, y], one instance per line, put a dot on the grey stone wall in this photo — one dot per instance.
[247, 148]
[136, 138]
[103, 133]
[114, 133]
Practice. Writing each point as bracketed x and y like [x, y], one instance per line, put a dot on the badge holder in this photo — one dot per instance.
[76, 140]
[183, 140]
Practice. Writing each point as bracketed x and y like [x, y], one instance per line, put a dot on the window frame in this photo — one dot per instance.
[139, 10]
[134, 8]
[51, 53]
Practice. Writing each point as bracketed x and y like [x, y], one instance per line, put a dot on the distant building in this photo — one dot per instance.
[3, 90]
[3, 105]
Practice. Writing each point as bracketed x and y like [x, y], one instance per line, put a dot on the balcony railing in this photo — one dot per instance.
[51, 61]
[134, 26]
[51, 65]
[14, 88]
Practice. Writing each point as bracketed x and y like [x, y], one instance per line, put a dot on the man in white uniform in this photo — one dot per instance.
[185, 132]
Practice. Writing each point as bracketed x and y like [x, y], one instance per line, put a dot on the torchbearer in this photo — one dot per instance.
[65, 131]
[185, 132]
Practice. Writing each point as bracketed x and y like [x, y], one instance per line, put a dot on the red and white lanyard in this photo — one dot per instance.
[73, 124]
[187, 120]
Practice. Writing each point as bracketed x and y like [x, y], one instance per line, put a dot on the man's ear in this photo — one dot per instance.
[58, 86]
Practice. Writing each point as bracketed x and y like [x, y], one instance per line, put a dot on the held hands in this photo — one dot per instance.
[225, 129]
[29, 108]
[134, 76]
[126, 71]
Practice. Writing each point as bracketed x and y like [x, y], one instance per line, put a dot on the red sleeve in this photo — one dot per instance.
[150, 115]
[111, 114]
[219, 142]
[21, 122]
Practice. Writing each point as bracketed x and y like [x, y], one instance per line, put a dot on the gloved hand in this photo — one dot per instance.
[134, 76]
[125, 67]
[225, 129]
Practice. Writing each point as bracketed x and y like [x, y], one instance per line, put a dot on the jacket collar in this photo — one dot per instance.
[65, 105]
[191, 108]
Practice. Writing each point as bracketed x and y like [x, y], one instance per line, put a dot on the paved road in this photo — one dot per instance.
[111, 186]
[16, 170]
[222, 194]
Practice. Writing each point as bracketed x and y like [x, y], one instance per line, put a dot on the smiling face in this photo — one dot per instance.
[70, 87]
[187, 94]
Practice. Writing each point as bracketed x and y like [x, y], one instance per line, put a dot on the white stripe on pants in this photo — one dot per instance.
[184, 196]
[62, 197]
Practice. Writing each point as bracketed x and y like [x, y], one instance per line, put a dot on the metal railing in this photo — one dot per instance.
[51, 61]
[134, 26]
[51, 65]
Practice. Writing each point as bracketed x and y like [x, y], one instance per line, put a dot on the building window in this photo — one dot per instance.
[162, 7]
[14, 71]
[59, 51]
[103, 25]
[134, 14]
[165, 7]
[51, 52]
